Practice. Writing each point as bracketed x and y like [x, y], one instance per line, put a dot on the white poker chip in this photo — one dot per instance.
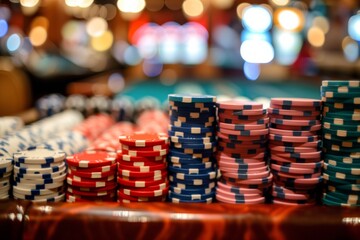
[39, 156]
[5, 162]
[39, 170]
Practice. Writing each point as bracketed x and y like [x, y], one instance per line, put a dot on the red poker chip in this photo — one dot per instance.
[292, 203]
[108, 168]
[241, 126]
[126, 198]
[132, 174]
[256, 175]
[128, 158]
[293, 112]
[75, 177]
[256, 132]
[139, 184]
[226, 158]
[313, 128]
[135, 153]
[238, 119]
[108, 187]
[91, 194]
[300, 139]
[295, 118]
[300, 165]
[144, 193]
[88, 184]
[238, 105]
[306, 155]
[246, 112]
[302, 102]
[226, 164]
[92, 175]
[256, 181]
[245, 171]
[291, 132]
[291, 196]
[240, 190]
[161, 176]
[294, 170]
[240, 138]
[91, 159]
[265, 120]
[224, 199]
[141, 139]
[298, 178]
[142, 168]
[275, 149]
[141, 164]
[296, 186]
[294, 160]
[259, 156]
[295, 122]
[297, 108]
[149, 148]
[240, 147]
[313, 144]
[230, 194]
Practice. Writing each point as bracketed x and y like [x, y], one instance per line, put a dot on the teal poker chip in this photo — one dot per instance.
[343, 187]
[329, 202]
[336, 199]
[354, 100]
[351, 171]
[340, 89]
[343, 159]
[331, 126]
[340, 95]
[329, 136]
[344, 144]
[339, 83]
[348, 178]
[345, 116]
[191, 98]
[339, 121]
[349, 198]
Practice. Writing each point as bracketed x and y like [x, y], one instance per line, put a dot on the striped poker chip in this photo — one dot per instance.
[39, 156]
[91, 159]
[141, 139]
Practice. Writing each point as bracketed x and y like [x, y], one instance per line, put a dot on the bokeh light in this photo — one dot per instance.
[322, 23]
[152, 67]
[287, 46]
[173, 4]
[257, 51]
[116, 82]
[251, 71]
[240, 9]
[29, 3]
[222, 4]
[290, 19]
[132, 56]
[102, 42]
[316, 37]
[96, 26]
[256, 18]
[13, 42]
[354, 27]
[280, 2]
[131, 6]
[3, 28]
[38, 36]
[350, 49]
[193, 8]
[154, 5]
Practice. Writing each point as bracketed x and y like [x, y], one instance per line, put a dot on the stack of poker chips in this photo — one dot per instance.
[6, 167]
[50, 104]
[91, 177]
[295, 150]
[142, 173]
[242, 143]
[39, 132]
[341, 142]
[9, 125]
[191, 164]
[39, 175]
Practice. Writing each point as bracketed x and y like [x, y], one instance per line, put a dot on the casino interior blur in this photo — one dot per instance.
[94, 47]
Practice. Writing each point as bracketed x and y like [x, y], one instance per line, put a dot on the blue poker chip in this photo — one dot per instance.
[177, 200]
[202, 151]
[204, 140]
[191, 153]
[192, 124]
[209, 145]
[192, 186]
[201, 164]
[210, 119]
[190, 170]
[192, 130]
[187, 161]
[192, 105]
[191, 191]
[191, 197]
[190, 135]
[191, 115]
[206, 176]
[194, 181]
[185, 110]
[191, 98]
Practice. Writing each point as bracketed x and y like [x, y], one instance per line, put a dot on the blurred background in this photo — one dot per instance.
[129, 49]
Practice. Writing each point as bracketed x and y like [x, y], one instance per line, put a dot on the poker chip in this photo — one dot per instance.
[6, 168]
[192, 146]
[91, 176]
[9, 125]
[341, 123]
[35, 180]
[242, 142]
[142, 169]
[295, 150]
